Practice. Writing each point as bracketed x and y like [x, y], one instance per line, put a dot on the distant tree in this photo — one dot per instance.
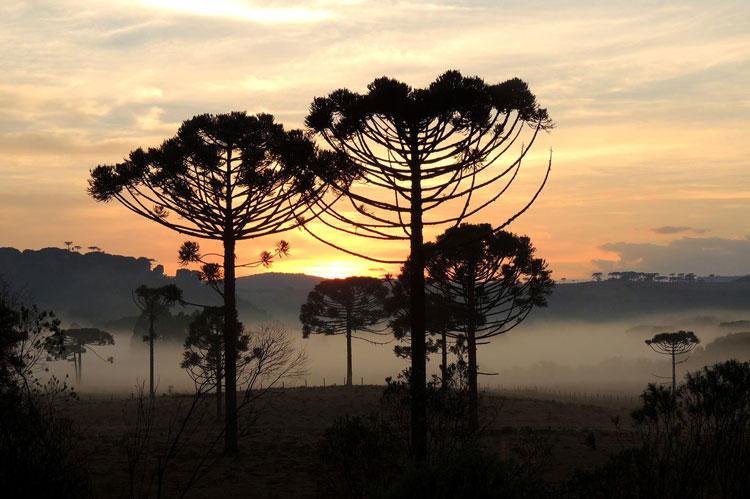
[203, 357]
[413, 151]
[629, 276]
[153, 302]
[345, 306]
[674, 344]
[95, 249]
[75, 342]
[614, 275]
[226, 177]
[494, 281]
[68, 245]
[597, 276]
[439, 319]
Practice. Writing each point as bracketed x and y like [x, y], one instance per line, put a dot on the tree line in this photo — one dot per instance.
[633, 276]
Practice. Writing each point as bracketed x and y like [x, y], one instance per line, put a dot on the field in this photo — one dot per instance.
[278, 450]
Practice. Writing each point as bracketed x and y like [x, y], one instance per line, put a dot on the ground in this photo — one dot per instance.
[278, 451]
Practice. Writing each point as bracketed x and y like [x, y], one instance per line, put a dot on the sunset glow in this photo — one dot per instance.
[337, 270]
[650, 105]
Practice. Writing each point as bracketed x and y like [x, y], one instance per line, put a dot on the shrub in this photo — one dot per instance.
[695, 443]
[466, 473]
[359, 454]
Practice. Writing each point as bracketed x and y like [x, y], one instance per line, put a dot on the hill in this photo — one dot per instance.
[616, 299]
[96, 287]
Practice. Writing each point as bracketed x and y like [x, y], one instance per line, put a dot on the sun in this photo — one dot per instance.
[337, 269]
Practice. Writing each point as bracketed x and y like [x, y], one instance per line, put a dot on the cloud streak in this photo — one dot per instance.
[672, 229]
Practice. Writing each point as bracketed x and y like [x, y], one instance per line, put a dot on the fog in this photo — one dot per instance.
[548, 355]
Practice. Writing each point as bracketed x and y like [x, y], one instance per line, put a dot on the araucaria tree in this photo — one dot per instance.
[493, 281]
[203, 357]
[227, 178]
[153, 302]
[75, 343]
[422, 157]
[438, 321]
[674, 344]
[345, 306]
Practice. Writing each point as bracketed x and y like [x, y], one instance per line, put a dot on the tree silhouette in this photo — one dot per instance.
[153, 302]
[412, 151]
[674, 344]
[438, 318]
[493, 280]
[597, 276]
[27, 334]
[226, 177]
[76, 342]
[203, 357]
[345, 306]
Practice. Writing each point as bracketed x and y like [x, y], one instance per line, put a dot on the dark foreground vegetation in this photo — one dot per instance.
[353, 442]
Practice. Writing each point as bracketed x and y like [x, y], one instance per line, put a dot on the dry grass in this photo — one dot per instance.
[278, 457]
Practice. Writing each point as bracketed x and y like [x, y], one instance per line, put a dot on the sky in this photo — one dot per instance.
[650, 151]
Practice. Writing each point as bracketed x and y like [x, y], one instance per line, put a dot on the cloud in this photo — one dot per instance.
[671, 229]
[238, 11]
[700, 255]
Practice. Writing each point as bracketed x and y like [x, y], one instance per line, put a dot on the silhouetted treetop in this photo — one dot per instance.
[451, 100]
[443, 137]
[673, 343]
[338, 306]
[233, 163]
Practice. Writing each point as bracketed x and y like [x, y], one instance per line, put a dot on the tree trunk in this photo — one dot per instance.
[471, 344]
[230, 347]
[418, 361]
[151, 356]
[444, 365]
[218, 392]
[79, 371]
[674, 379]
[348, 355]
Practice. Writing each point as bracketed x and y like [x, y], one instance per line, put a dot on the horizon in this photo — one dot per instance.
[270, 270]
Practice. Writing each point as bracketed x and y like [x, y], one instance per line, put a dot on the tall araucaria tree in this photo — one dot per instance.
[345, 306]
[493, 282]
[154, 302]
[421, 157]
[225, 177]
